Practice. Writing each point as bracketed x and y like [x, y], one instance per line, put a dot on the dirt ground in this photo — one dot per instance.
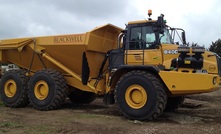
[198, 115]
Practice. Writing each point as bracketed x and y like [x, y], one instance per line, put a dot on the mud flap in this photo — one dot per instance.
[108, 99]
[85, 70]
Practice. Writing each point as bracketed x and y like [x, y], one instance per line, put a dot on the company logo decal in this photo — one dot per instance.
[67, 39]
[212, 68]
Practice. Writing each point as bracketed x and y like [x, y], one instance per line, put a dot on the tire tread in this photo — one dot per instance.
[161, 98]
[61, 90]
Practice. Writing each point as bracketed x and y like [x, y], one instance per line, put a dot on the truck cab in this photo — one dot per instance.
[146, 42]
[149, 44]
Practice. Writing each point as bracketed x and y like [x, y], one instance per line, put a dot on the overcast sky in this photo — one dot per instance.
[26, 18]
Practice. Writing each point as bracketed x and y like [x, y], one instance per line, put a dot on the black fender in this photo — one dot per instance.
[126, 68]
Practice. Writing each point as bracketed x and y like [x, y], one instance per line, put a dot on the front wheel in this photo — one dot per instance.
[140, 96]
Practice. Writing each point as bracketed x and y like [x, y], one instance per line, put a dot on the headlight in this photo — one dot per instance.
[183, 49]
[214, 80]
[198, 49]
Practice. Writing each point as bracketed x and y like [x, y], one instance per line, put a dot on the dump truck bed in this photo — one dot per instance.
[77, 56]
[67, 49]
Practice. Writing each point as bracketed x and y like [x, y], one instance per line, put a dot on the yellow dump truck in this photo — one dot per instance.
[139, 68]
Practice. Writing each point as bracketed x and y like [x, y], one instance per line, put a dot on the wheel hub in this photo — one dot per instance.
[10, 88]
[136, 96]
[41, 90]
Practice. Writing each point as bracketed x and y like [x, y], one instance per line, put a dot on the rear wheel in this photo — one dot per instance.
[13, 88]
[81, 97]
[47, 90]
[140, 96]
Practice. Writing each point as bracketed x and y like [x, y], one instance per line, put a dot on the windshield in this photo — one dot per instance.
[166, 37]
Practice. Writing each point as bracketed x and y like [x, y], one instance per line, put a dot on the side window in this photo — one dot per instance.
[142, 38]
[166, 38]
[149, 37]
[135, 38]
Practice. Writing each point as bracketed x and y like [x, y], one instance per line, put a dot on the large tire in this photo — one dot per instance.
[81, 97]
[13, 89]
[47, 90]
[173, 103]
[140, 96]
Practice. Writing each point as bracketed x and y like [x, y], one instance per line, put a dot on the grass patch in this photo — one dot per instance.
[10, 124]
[39, 129]
[36, 129]
[1, 103]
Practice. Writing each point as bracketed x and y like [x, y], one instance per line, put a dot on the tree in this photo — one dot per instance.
[192, 44]
[216, 47]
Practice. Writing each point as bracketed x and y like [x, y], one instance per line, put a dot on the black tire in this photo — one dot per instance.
[81, 97]
[47, 90]
[13, 89]
[140, 83]
[173, 103]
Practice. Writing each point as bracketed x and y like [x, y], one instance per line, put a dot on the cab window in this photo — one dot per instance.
[166, 38]
[142, 38]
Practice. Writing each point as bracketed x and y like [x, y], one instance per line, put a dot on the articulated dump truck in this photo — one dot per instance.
[140, 69]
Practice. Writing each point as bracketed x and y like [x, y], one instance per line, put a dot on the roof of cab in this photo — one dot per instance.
[140, 21]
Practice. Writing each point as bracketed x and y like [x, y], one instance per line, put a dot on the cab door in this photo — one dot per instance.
[141, 47]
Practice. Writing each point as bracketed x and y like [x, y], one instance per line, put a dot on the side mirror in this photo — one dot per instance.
[183, 37]
[160, 24]
[160, 21]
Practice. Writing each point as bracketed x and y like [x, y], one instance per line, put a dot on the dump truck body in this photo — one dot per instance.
[67, 50]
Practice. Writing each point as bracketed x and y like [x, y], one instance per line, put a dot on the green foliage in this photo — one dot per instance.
[1, 103]
[192, 44]
[216, 47]
[9, 124]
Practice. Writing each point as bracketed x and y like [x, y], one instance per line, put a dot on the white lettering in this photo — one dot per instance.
[170, 51]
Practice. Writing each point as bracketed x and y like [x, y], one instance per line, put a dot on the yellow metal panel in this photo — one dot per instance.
[69, 39]
[103, 39]
[78, 84]
[15, 43]
[99, 89]
[0, 56]
[146, 57]
[141, 21]
[134, 57]
[210, 62]
[180, 83]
